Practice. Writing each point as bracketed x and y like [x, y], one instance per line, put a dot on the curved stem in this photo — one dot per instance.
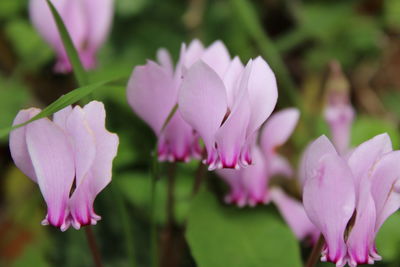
[93, 246]
[316, 252]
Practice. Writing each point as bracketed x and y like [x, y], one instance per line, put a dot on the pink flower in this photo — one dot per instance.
[70, 158]
[153, 92]
[88, 23]
[249, 186]
[226, 104]
[349, 199]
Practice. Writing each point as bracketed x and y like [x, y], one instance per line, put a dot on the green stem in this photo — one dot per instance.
[93, 246]
[126, 224]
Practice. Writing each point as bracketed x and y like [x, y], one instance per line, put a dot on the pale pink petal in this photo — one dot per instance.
[329, 201]
[279, 165]
[53, 161]
[255, 179]
[294, 214]
[99, 15]
[231, 80]
[278, 128]
[152, 94]
[361, 238]
[231, 136]
[99, 176]
[217, 57]
[385, 179]
[364, 156]
[203, 104]
[193, 53]
[237, 193]
[61, 116]
[263, 94]
[18, 146]
[312, 154]
[83, 143]
[165, 60]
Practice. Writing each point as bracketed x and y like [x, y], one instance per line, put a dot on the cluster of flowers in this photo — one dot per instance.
[223, 103]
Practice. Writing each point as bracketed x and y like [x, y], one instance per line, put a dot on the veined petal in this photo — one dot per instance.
[330, 177]
[152, 94]
[361, 238]
[294, 214]
[203, 104]
[231, 136]
[83, 143]
[18, 146]
[193, 53]
[385, 186]
[53, 161]
[278, 128]
[231, 80]
[61, 116]
[165, 60]
[263, 93]
[312, 154]
[217, 57]
[99, 176]
[364, 157]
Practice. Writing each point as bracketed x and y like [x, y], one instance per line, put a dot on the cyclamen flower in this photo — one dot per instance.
[250, 185]
[349, 200]
[226, 106]
[87, 21]
[152, 93]
[70, 158]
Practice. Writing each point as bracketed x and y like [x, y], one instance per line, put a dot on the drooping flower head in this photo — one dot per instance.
[153, 92]
[70, 158]
[249, 186]
[349, 199]
[87, 21]
[226, 103]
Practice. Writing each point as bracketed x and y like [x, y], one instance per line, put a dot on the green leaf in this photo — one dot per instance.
[388, 239]
[59, 104]
[221, 236]
[72, 53]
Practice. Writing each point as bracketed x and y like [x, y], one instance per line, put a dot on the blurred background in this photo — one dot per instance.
[299, 38]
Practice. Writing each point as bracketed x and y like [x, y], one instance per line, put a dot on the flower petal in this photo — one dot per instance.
[237, 193]
[231, 80]
[165, 60]
[385, 179]
[329, 178]
[263, 93]
[61, 116]
[152, 94]
[366, 155]
[278, 128]
[294, 214]
[18, 146]
[53, 161]
[99, 176]
[217, 57]
[202, 103]
[279, 165]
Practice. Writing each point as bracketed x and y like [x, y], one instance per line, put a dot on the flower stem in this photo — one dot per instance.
[153, 223]
[93, 246]
[199, 177]
[316, 252]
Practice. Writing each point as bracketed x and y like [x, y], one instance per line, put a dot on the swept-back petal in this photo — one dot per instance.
[61, 116]
[217, 57]
[202, 102]
[330, 177]
[278, 128]
[263, 93]
[18, 146]
[99, 176]
[237, 193]
[165, 60]
[231, 80]
[53, 161]
[83, 143]
[279, 165]
[152, 94]
[385, 179]
[294, 214]
[364, 156]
